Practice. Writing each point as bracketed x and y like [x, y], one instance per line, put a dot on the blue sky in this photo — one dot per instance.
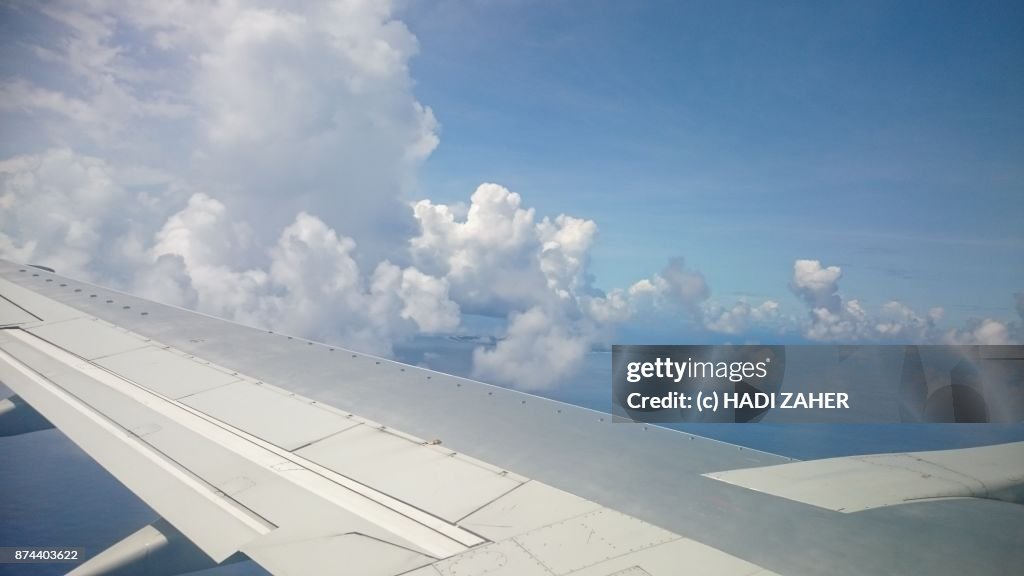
[658, 171]
[881, 137]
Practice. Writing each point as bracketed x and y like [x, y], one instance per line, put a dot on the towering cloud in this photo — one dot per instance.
[501, 261]
[269, 110]
[817, 285]
[265, 116]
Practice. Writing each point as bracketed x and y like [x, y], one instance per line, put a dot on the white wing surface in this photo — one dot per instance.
[312, 459]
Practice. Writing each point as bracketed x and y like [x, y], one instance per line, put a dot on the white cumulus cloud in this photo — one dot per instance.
[739, 317]
[675, 285]
[831, 318]
[70, 211]
[817, 285]
[500, 260]
[538, 351]
[984, 331]
[312, 285]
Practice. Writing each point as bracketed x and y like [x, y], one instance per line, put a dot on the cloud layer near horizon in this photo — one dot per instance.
[256, 162]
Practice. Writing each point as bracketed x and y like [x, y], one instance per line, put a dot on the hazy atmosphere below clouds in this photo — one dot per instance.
[550, 178]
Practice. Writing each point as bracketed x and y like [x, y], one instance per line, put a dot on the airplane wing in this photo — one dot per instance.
[313, 459]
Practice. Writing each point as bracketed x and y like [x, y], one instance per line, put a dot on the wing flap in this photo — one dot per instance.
[432, 478]
[170, 374]
[269, 413]
[348, 553]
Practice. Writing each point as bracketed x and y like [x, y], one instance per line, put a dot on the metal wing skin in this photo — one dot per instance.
[313, 459]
